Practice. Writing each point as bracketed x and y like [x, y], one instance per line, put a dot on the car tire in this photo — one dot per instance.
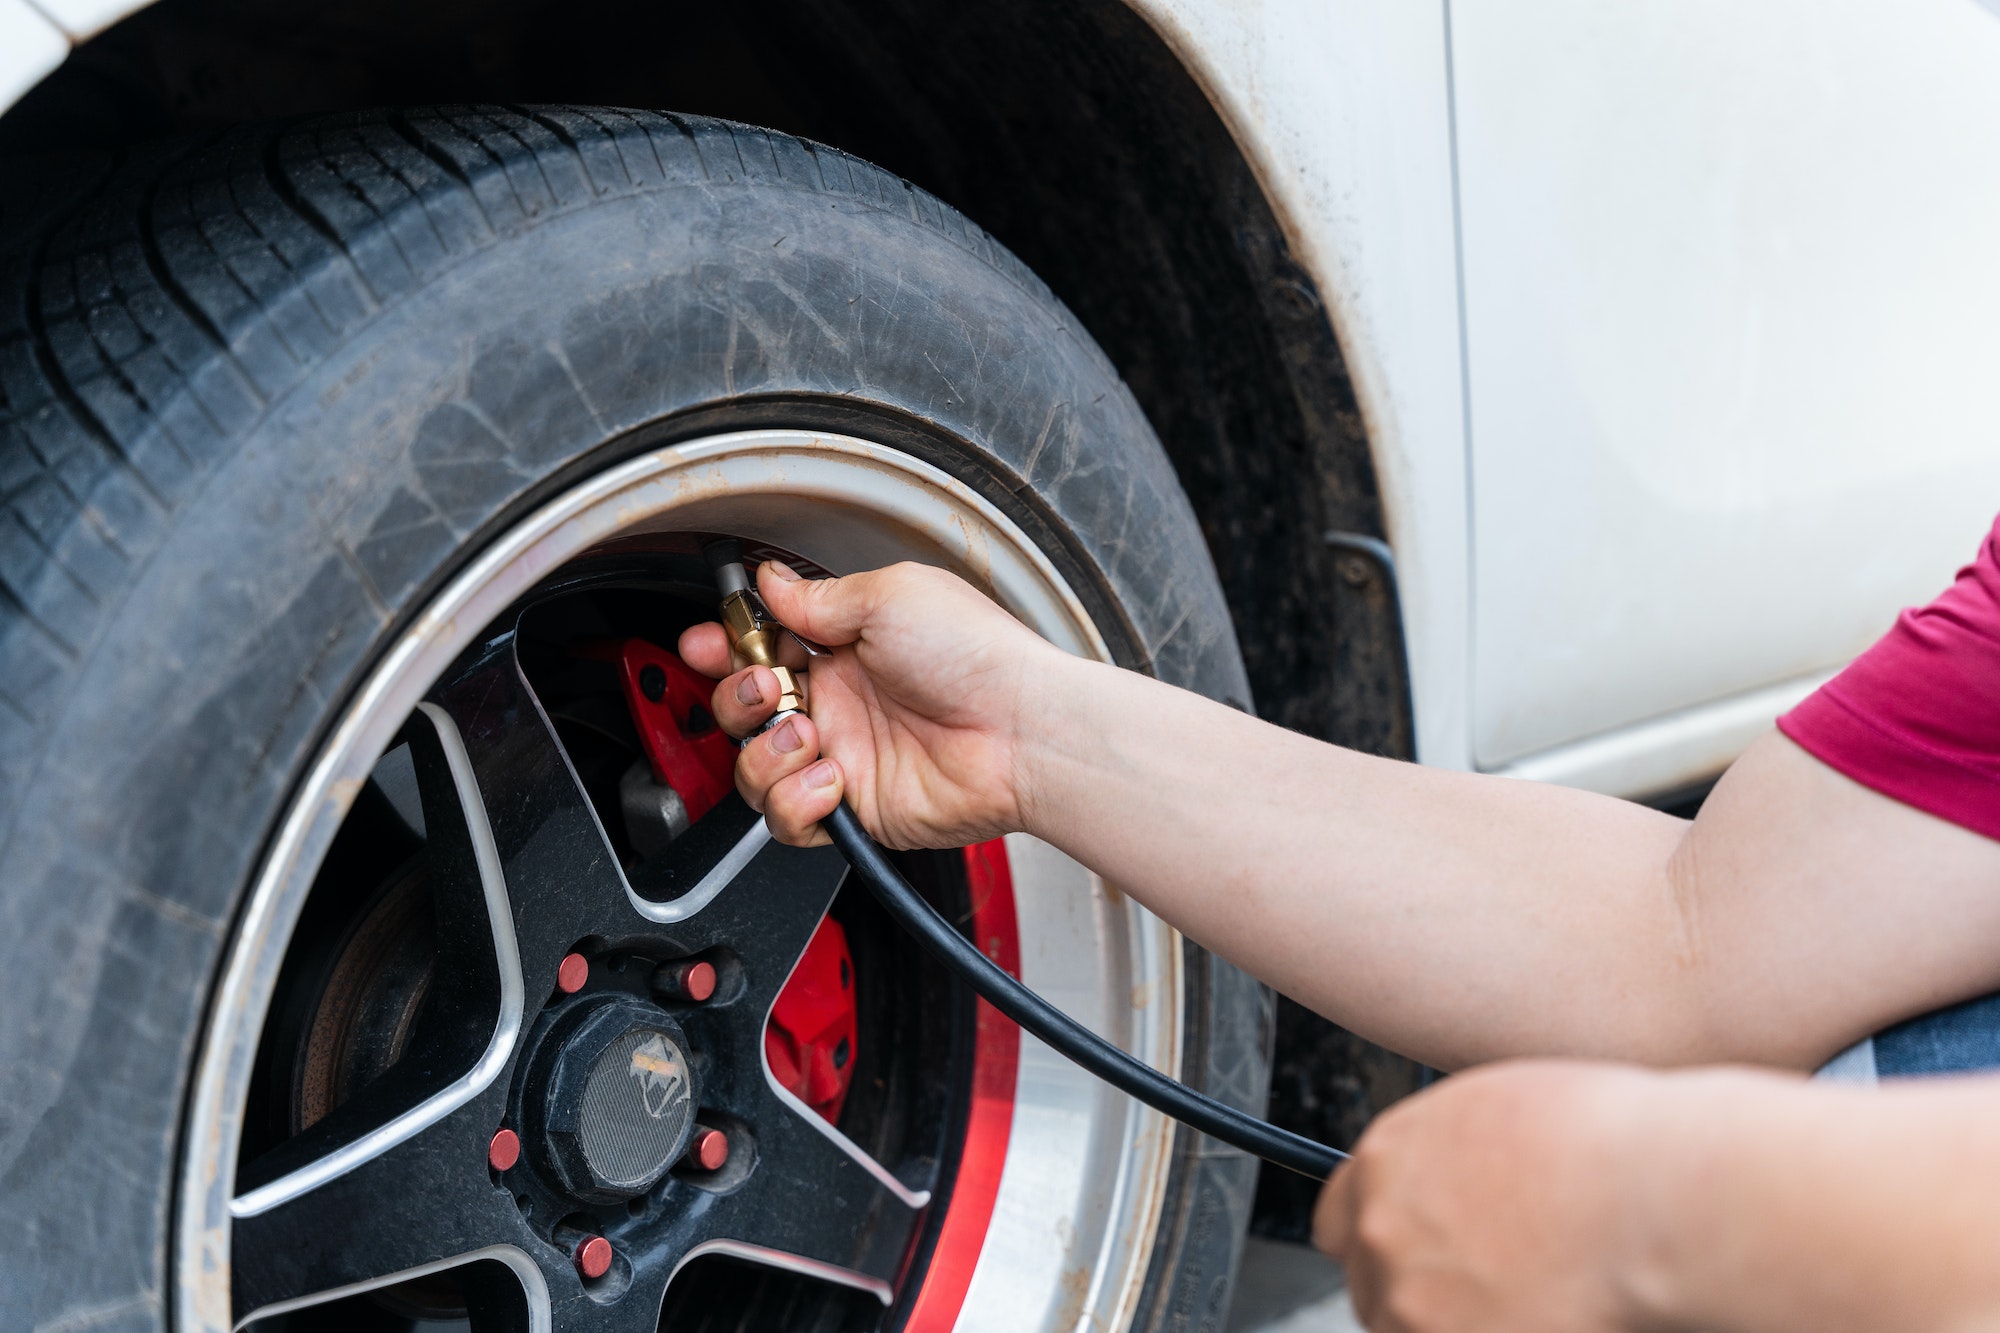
[266, 392]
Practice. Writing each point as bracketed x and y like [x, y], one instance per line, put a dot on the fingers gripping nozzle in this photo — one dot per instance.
[753, 634]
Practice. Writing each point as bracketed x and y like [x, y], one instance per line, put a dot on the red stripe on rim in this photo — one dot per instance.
[996, 1057]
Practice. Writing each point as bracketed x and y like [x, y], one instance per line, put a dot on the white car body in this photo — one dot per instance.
[1672, 325]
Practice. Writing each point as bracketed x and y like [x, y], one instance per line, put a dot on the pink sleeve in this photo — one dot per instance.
[1917, 716]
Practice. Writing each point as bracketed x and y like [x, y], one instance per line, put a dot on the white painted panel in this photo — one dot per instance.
[30, 47]
[1342, 108]
[1656, 756]
[1733, 304]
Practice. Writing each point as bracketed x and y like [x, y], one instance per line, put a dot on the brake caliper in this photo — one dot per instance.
[809, 1042]
[669, 704]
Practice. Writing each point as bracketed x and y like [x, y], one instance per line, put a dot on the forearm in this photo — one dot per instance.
[1450, 916]
[1779, 1205]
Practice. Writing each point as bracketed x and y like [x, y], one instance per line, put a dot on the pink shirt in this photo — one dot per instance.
[1917, 716]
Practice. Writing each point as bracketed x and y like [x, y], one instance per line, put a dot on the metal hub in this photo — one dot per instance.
[617, 1098]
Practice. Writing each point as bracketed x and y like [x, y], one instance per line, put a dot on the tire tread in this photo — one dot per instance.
[157, 318]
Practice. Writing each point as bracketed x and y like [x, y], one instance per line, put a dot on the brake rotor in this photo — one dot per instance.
[360, 1025]
[374, 992]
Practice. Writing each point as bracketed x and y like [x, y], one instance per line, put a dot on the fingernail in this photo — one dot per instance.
[786, 738]
[783, 571]
[819, 775]
[748, 692]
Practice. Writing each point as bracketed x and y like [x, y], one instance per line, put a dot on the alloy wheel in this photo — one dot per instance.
[491, 1088]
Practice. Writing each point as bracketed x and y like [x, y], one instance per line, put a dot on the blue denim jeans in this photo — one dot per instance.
[1958, 1040]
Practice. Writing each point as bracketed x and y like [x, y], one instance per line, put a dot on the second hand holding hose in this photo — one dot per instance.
[754, 637]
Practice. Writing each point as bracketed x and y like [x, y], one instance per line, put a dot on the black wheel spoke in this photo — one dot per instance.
[561, 875]
[637, 1310]
[465, 1041]
[812, 1201]
[415, 1204]
[820, 1199]
[765, 917]
[803, 1202]
[814, 1204]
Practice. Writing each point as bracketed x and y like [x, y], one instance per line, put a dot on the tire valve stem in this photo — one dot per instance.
[572, 973]
[592, 1257]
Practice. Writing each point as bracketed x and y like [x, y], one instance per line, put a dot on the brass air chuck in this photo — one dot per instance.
[753, 633]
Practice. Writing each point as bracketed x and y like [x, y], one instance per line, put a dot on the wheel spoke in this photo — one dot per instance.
[471, 1024]
[813, 1204]
[765, 916]
[418, 1204]
[810, 1204]
[825, 1200]
[561, 876]
[635, 1311]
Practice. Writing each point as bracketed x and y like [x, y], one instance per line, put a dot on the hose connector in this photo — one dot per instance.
[754, 634]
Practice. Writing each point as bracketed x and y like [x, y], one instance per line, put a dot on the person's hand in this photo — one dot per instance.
[916, 713]
[1504, 1199]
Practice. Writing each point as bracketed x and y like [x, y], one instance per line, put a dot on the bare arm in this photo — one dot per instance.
[1455, 917]
[1463, 918]
[1818, 1206]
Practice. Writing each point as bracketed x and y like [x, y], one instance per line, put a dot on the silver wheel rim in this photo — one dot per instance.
[1086, 1169]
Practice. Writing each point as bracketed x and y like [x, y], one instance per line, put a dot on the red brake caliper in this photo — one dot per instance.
[810, 1039]
[809, 1042]
[669, 703]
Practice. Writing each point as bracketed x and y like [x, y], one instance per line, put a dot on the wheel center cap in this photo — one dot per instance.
[636, 1108]
[619, 1103]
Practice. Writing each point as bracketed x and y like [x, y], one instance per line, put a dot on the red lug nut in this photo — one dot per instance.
[685, 980]
[593, 1257]
[572, 973]
[709, 1149]
[504, 1150]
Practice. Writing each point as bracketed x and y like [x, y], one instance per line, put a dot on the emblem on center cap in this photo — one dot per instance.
[662, 1075]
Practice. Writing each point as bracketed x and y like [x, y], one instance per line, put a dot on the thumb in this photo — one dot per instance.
[829, 611]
